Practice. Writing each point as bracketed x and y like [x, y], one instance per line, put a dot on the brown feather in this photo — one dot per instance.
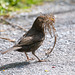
[10, 49]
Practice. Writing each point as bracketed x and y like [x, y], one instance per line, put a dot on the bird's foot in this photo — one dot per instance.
[30, 59]
[42, 61]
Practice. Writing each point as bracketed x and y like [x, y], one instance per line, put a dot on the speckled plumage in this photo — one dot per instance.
[33, 39]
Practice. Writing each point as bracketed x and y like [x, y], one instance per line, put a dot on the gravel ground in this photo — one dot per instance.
[60, 62]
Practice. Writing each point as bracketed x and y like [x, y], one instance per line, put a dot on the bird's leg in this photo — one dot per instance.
[28, 57]
[37, 57]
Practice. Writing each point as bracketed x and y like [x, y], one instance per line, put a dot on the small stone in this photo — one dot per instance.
[46, 71]
[3, 70]
[53, 66]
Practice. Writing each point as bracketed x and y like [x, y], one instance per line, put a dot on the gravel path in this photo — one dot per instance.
[60, 62]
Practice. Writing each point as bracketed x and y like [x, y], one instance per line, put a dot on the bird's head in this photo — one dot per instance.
[43, 21]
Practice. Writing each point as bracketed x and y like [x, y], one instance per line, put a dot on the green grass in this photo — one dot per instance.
[7, 6]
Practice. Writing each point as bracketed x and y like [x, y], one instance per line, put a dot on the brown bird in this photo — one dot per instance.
[34, 38]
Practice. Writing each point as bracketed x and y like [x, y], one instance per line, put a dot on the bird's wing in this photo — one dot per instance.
[29, 40]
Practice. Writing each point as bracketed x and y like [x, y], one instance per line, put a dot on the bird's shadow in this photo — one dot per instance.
[13, 65]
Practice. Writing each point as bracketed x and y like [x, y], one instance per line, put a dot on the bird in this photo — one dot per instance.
[33, 38]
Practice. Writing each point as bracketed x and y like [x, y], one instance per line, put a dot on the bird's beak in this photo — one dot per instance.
[53, 19]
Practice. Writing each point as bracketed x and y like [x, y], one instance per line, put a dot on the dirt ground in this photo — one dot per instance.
[60, 62]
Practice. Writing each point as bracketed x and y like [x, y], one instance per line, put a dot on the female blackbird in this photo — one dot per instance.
[34, 38]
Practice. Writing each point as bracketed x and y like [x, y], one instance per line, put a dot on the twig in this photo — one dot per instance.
[13, 25]
[49, 51]
[2, 30]
[7, 39]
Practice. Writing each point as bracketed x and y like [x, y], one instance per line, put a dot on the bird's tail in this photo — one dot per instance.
[10, 49]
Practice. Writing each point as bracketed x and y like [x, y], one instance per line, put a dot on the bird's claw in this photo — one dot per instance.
[42, 61]
[30, 59]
